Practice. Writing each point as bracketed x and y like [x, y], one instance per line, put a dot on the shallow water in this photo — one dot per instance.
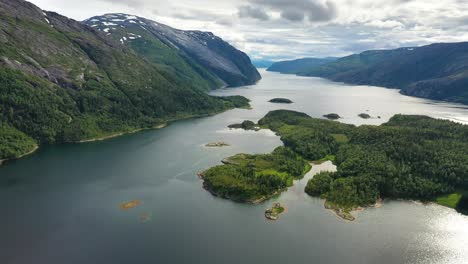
[62, 204]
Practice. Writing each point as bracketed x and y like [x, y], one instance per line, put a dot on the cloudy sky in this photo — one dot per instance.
[285, 29]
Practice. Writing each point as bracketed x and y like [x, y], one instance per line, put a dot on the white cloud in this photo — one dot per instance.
[296, 28]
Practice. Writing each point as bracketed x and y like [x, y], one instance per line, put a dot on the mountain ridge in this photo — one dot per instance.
[219, 59]
[438, 71]
[298, 65]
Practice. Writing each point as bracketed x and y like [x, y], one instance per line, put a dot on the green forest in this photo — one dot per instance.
[409, 157]
[34, 109]
[254, 178]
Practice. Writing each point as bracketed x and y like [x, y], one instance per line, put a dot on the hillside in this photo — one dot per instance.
[437, 71]
[62, 81]
[299, 65]
[191, 54]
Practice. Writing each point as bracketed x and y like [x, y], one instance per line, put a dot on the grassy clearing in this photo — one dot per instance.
[450, 200]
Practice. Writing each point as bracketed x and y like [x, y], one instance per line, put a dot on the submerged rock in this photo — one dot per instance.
[217, 144]
[129, 205]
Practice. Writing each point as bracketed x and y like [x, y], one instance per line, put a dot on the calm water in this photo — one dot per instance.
[61, 205]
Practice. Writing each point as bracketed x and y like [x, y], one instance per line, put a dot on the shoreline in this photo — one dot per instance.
[160, 126]
[36, 147]
[121, 134]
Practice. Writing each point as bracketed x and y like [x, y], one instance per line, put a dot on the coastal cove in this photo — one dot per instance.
[65, 200]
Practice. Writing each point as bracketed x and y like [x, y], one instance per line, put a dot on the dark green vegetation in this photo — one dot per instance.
[247, 125]
[364, 116]
[62, 81]
[298, 66]
[255, 178]
[200, 57]
[332, 116]
[281, 101]
[462, 205]
[410, 157]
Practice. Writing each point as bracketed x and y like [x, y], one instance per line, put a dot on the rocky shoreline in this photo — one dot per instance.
[275, 212]
[347, 215]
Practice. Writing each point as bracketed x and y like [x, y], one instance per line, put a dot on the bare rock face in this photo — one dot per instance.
[231, 66]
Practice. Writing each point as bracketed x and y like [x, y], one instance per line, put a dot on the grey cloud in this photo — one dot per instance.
[253, 12]
[297, 10]
[293, 15]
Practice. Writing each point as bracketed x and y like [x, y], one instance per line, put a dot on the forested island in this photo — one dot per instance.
[409, 157]
[281, 101]
[255, 178]
[332, 116]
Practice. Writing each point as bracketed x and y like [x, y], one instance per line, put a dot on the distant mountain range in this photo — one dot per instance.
[437, 71]
[297, 66]
[262, 64]
[65, 81]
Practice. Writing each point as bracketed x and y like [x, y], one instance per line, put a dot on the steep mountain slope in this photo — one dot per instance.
[62, 81]
[192, 53]
[299, 65]
[437, 71]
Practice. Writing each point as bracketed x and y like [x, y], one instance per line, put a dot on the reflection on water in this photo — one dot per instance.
[61, 205]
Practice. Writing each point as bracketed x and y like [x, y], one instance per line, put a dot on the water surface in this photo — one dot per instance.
[61, 205]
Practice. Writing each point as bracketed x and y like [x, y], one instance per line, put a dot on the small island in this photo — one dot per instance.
[332, 116]
[217, 144]
[364, 116]
[253, 179]
[281, 101]
[274, 212]
[246, 125]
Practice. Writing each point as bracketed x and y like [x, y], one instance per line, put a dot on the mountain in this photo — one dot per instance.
[63, 81]
[262, 64]
[437, 71]
[299, 65]
[189, 53]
